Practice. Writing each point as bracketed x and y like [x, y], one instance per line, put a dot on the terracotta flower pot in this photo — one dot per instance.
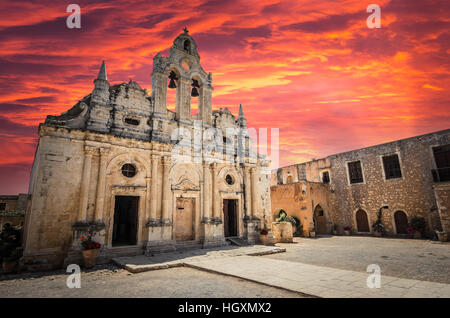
[347, 233]
[417, 235]
[334, 232]
[442, 237]
[263, 239]
[90, 257]
[8, 266]
[377, 234]
[312, 234]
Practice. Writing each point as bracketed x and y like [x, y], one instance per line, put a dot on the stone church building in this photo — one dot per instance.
[118, 164]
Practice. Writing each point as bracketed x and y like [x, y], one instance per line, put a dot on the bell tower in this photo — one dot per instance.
[181, 70]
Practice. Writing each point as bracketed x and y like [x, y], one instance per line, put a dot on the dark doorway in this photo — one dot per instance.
[125, 221]
[401, 222]
[362, 222]
[230, 217]
[320, 221]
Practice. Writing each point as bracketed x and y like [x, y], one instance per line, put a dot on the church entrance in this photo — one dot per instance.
[184, 219]
[125, 221]
[230, 218]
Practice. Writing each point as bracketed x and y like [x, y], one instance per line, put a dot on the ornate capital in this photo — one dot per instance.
[166, 160]
[89, 150]
[104, 151]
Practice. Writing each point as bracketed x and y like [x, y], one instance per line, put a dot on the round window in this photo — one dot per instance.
[229, 179]
[128, 170]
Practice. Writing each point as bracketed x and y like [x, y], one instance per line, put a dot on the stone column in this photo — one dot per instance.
[147, 197]
[100, 201]
[85, 179]
[206, 193]
[166, 191]
[154, 190]
[214, 195]
[254, 186]
[248, 192]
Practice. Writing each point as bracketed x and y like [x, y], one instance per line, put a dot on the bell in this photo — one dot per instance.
[194, 92]
[172, 77]
[172, 83]
[195, 84]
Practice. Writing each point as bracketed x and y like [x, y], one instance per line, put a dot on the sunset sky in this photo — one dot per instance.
[313, 69]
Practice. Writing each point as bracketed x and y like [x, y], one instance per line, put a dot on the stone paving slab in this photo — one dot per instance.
[142, 263]
[317, 280]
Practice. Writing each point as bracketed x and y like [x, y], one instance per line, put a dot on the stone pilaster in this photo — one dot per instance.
[100, 200]
[153, 191]
[248, 193]
[183, 103]
[85, 179]
[166, 191]
[206, 194]
[215, 196]
[254, 181]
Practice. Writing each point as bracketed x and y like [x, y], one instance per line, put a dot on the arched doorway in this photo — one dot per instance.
[362, 222]
[320, 220]
[401, 222]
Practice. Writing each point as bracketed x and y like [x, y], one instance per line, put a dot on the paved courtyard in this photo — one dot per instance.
[405, 258]
[323, 267]
[111, 281]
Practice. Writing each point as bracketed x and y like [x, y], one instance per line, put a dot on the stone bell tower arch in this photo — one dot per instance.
[184, 61]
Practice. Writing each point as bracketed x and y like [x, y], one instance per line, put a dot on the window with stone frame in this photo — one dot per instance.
[326, 177]
[2, 206]
[355, 172]
[391, 166]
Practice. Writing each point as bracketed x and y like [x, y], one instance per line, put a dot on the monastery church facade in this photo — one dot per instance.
[106, 166]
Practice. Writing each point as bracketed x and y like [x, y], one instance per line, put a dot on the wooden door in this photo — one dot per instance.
[229, 218]
[362, 222]
[184, 223]
[320, 220]
[401, 222]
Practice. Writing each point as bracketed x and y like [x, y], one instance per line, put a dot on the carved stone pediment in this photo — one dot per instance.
[185, 184]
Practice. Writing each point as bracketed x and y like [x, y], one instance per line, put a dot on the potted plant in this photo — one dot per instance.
[312, 232]
[10, 251]
[347, 229]
[335, 227]
[90, 250]
[442, 236]
[418, 224]
[263, 236]
[377, 226]
[410, 231]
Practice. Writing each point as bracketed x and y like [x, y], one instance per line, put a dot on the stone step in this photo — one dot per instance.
[188, 245]
[237, 241]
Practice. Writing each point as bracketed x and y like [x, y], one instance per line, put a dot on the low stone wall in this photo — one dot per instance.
[282, 232]
[13, 220]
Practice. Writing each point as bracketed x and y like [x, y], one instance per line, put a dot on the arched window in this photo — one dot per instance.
[401, 222]
[173, 84]
[187, 46]
[362, 222]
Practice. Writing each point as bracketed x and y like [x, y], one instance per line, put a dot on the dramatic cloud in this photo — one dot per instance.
[310, 68]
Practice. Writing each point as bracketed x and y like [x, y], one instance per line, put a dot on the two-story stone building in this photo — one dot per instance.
[405, 178]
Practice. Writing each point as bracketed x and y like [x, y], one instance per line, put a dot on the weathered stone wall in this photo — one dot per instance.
[442, 194]
[412, 193]
[300, 199]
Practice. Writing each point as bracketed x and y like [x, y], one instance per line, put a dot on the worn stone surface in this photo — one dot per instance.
[110, 281]
[409, 259]
[139, 264]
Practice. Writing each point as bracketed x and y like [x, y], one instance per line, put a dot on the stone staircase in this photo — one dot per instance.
[188, 245]
[235, 240]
